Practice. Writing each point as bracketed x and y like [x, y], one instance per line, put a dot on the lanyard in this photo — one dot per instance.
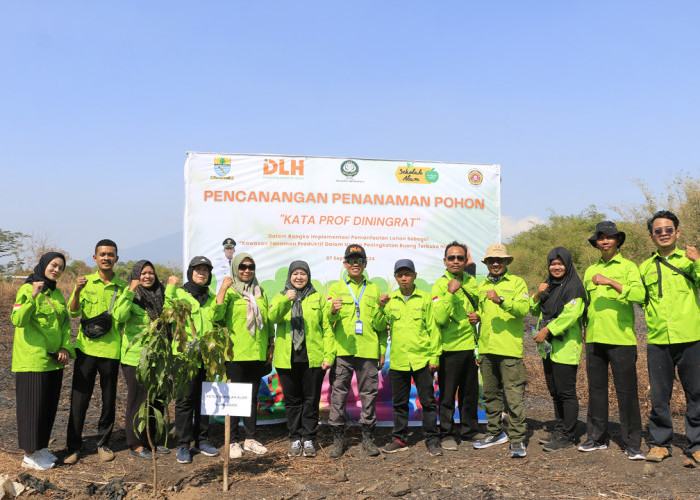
[357, 301]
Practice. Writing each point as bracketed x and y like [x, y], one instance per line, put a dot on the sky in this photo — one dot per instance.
[99, 101]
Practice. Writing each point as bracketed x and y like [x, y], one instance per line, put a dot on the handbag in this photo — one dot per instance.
[97, 326]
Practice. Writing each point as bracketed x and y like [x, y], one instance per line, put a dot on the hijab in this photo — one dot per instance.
[149, 299]
[250, 291]
[39, 273]
[561, 290]
[199, 292]
[297, 319]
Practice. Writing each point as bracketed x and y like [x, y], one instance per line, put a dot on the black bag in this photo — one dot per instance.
[97, 326]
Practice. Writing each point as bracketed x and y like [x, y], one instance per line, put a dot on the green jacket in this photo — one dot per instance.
[450, 312]
[39, 328]
[566, 329]
[135, 320]
[201, 315]
[675, 317]
[372, 343]
[232, 313]
[318, 335]
[502, 324]
[611, 314]
[415, 338]
[95, 299]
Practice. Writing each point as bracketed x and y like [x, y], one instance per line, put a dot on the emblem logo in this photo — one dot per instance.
[222, 165]
[349, 168]
[475, 177]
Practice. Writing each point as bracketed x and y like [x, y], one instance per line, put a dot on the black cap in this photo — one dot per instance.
[229, 242]
[404, 264]
[607, 228]
[200, 260]
[355, 250]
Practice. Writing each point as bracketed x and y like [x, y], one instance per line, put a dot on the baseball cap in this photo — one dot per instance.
[355, 250]
[404, 264]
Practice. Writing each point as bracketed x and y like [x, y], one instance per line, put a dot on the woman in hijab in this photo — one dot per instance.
[190, 424]
[241, 305]
[140, 304]
[40, 350]
[560, 304]
[304, 348]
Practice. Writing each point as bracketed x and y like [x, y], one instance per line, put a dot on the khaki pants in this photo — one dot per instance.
[507, 374]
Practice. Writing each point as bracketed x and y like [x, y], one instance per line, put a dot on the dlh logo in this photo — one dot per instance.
[272, 167]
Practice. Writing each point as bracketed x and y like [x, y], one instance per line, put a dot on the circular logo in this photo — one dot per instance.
[475, 177]
[349, 168]
[431, 175]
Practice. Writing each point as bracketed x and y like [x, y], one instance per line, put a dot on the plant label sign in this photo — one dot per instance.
[221, 398]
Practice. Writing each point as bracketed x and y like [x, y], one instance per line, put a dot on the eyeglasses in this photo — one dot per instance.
[355, 260]
[458, 258]
[246, 267]
[661, 230]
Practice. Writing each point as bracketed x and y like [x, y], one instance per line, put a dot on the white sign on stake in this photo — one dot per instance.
[221, 398]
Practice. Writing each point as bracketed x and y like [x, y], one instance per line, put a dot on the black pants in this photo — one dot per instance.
[85, 370]
[301, 386]
[458, 375]
[561, 382]
[135, 396]
[190, 424]
[247, 372]
[401, 387]
[623, 361]
[37, 401]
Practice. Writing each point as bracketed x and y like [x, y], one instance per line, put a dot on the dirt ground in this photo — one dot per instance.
[467, 473]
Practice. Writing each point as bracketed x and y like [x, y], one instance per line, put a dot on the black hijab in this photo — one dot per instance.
[149, 299]
[199, 292]
[39, 273]
[297, 319]
[561, 290]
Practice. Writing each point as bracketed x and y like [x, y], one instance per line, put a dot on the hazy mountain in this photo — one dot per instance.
[164, 250]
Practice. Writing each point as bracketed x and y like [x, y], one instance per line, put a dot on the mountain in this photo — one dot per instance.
[164, 250]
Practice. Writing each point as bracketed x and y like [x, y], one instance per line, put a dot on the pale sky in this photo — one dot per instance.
[99, 101]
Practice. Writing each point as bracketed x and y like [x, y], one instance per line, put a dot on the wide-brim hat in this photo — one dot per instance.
[497, 250]
[607, 228]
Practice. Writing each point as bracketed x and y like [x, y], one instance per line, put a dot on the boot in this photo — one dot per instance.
[338, 445]
[368, 441]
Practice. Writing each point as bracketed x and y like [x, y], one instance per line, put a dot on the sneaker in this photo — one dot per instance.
[71, 458]
[309, 450]
[491, 440]
[106, 455]
[395, 446]
[517, 450]
[448, 443]
[558, 443]
[434, 449]
[294, 449]
[47, 453]
[591, 445]
[183, 455]
[207, 450]
[546, 439]
[633, 454]
[142, 453]
[254, 446]
[657, 454]
[235, 450]
[163, 450]
[37, 461]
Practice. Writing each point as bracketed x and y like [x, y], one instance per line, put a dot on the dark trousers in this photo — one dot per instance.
[190, 424]
[561, 382]
[37, 401]
[623, 361]
[401, 388]
[662, 361]
[458, 376]
[247, 372]
[301, 386]
[365, 369]
[85, 369]
[135, 397]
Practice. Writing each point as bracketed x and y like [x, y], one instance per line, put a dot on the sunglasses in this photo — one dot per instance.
[664, 230]
[355, 260]
[458, 258]
[246, 267]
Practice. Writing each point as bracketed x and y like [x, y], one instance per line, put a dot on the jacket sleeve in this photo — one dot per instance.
[279, 308]
[535, 307]
[329, 345]
[66, 342]
[694, 272]
[632, 290]
[122, 306]
[517, 304]
[568, 316]
[445, 304]
[218, 311]
[434, 334]
[24, 308]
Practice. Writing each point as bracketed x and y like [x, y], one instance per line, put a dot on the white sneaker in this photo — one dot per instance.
[254, 446]
[37, 461]
[47, 453]
[235, 450]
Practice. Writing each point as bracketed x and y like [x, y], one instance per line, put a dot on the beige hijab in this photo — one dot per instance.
[250, 291]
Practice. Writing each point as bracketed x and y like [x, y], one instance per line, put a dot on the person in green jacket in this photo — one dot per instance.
[40, 349]
[190, 424]
[140, 304]
[304, 349]
[242, 306]
[503, 302]
[93, 297]
[672, 310]
[612, 284]
[560, 303]
[415, 354]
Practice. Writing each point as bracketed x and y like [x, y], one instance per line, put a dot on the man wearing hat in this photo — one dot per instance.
[503, 302]
[353, 310]
[612, 284]
[415, 353]
[222, 267]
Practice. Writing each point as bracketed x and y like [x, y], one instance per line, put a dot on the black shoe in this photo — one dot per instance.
[546, 439]
[338, 445]
[434, 449]
[557, 443]
[368, 441]
[142, 453]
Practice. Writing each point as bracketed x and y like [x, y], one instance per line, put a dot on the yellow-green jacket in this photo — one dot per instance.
[201, 315]
[502, 324]
[232, 314]
[450, 312]
[135, 320]
[567, 339]
[39, 328]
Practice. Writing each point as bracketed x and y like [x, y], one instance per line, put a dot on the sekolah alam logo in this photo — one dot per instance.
[222, 166]
[475, 177]
[409, 174]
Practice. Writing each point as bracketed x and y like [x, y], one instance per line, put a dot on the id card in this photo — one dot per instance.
[358, 327]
